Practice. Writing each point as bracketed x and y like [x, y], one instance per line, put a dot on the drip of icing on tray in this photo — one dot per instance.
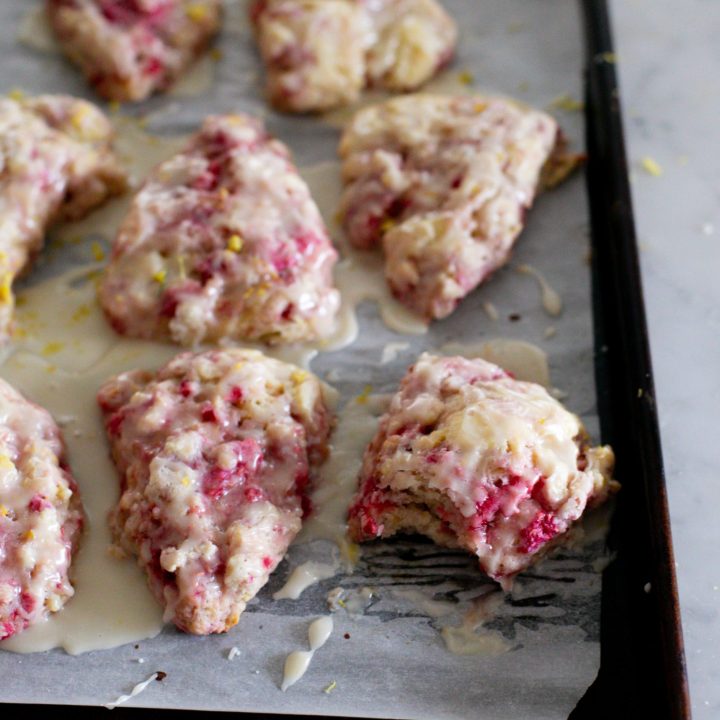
[133, 693]
[357, 423]
[303, 576]
[424, 603]
[198, 80]
[297, 663]
[551, 300]
[392, 350]
[524, 360]
[470, 637]
[359, 275]
[35, 31]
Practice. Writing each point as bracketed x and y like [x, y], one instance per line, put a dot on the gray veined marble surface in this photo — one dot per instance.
[669, 59]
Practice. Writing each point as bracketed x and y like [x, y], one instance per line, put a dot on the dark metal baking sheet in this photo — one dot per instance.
[642, 667]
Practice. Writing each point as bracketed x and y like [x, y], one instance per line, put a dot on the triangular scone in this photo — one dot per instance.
[129, 49]
[223, 241]
[475, 459]
[41, 515]
[320, 54]
[215, 452]
[57, 163]
[444, 183]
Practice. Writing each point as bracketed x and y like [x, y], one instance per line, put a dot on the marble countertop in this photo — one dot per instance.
[669, 60]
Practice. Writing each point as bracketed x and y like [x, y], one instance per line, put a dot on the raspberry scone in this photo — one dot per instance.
[320, 54]
[57, 163]
[41, 516]
[224, 241]
[475, 459]
[215, 452]
[130, 49]
[410, 41]
[444, 184]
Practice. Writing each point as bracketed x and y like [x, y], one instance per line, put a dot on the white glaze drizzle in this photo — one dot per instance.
[303, 576]
[491, 311]
[297, 662]
[35, 31]
[337, 482]
[392, 350]
[471, 638]
[135, 691]
[551, 300]
[425, 604]
[524, 360]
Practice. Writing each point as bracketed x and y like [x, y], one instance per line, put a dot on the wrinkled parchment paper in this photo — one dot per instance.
[394, 662]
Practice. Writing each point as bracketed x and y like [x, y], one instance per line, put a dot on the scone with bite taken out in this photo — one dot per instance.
[474, 459]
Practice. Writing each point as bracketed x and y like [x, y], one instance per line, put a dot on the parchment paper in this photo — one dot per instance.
[394, 663]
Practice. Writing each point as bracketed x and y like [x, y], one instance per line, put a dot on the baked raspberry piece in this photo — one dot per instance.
[130, 49]
[444, 184]
[215, 453]
[57, 163]
[223, 241]
[475, 459]
[320, 54]
[41, 515]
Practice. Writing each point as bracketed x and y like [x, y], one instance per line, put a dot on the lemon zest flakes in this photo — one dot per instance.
[299, 376]
[185, 480]
[330, 687]
[567, 103]
[6, 462]
[466, 77]
[651, 166]
[197, 12]
[86, 130]
[387, 224]
[235, 243]
[16, 94]
[29, 535]
[362, 398]
[52, 348]
[6, 288]
[350, 552]
[81, 313]
[4, 511]
[160, 276]
[97, 251]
